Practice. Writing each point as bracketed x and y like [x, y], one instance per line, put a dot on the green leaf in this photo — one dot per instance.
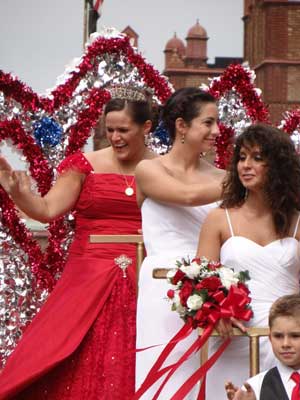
[244, 276]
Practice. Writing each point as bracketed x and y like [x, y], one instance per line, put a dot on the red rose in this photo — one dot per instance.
[197, 260]
[170, 293]
[178, 277]
[212, 283]
[213, 265]
[185, 292]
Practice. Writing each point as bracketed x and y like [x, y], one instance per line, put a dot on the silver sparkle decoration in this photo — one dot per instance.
[20, 299]
[232, 112]
[295, 135]
[9, 108]
[156, 146]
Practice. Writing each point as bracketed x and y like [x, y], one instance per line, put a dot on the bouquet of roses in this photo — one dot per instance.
[204, 291]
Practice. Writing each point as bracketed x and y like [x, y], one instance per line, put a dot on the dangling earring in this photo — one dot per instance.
[146, 140]
[182, 138]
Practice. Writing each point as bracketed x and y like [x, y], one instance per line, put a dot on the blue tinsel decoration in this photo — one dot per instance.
[162, 133]
[47, 132]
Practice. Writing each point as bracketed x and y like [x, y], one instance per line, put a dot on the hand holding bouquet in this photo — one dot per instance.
[204, 291]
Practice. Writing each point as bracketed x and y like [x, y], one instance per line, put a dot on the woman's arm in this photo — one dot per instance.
[154, 182]
[60, 198]
[209, 244]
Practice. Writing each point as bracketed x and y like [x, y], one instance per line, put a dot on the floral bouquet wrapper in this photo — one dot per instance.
[202, 292]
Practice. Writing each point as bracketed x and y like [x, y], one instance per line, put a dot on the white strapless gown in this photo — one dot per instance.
[274, 271]
[170, 233]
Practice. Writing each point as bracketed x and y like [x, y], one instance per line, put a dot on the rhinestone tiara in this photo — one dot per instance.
[129, 92]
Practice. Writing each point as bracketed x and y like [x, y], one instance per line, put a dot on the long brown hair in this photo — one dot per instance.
[282, 187]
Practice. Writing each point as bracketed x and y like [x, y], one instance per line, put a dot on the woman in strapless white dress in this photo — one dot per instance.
[256, 228]
[175, 192]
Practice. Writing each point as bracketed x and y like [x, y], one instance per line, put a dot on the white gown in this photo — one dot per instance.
[170, 233]
[274, 270]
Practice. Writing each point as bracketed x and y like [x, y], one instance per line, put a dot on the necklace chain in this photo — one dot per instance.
[129, 191]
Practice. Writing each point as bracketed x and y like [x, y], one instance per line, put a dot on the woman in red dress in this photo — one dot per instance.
[81, 344]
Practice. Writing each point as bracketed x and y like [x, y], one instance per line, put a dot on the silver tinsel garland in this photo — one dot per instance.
[20, 297]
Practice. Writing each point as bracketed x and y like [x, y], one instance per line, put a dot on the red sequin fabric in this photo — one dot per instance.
[76, 161]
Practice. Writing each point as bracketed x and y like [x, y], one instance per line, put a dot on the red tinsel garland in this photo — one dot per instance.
[291, 122]
[239, 78]
[224, 143]
[44, 266]
[61, 95]
[235, 76]
[38, 164]
[88, 118]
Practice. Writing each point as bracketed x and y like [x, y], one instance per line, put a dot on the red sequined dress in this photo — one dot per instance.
[81, 344]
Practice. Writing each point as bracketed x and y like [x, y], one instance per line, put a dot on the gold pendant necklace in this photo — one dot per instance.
[129, 191]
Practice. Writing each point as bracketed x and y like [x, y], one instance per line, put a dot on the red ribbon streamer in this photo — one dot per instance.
[201, 372]
[234, 304]
[155, 373]
[196, 346]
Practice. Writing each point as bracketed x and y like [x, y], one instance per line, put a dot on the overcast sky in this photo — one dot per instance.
[39, 37]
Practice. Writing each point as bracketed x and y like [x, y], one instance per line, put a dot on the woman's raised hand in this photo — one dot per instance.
[55, 203]
[13, 182]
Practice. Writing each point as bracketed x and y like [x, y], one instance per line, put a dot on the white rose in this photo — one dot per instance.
[194, 302]
[179, 307]
[192, 271]
[228, 277]
[170, 274]
[176, 300]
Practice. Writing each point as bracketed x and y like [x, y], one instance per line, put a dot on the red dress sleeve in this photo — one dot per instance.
[77, 162]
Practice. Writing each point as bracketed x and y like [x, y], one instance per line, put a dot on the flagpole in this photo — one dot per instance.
[85, 22]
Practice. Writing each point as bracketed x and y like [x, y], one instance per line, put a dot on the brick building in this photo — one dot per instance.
[186, 64]
[272, 47]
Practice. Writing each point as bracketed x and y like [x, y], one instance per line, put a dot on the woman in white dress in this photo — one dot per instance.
[171, 231]
[256, 228]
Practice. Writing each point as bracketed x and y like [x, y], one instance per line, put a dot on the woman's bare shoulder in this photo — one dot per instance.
[101, 160]
[150, 163]
[212, 169]
[216, 213]
[214, 222]
[98, 154]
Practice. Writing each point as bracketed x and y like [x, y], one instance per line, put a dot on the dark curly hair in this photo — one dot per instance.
[184, 103]
[282, 188]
